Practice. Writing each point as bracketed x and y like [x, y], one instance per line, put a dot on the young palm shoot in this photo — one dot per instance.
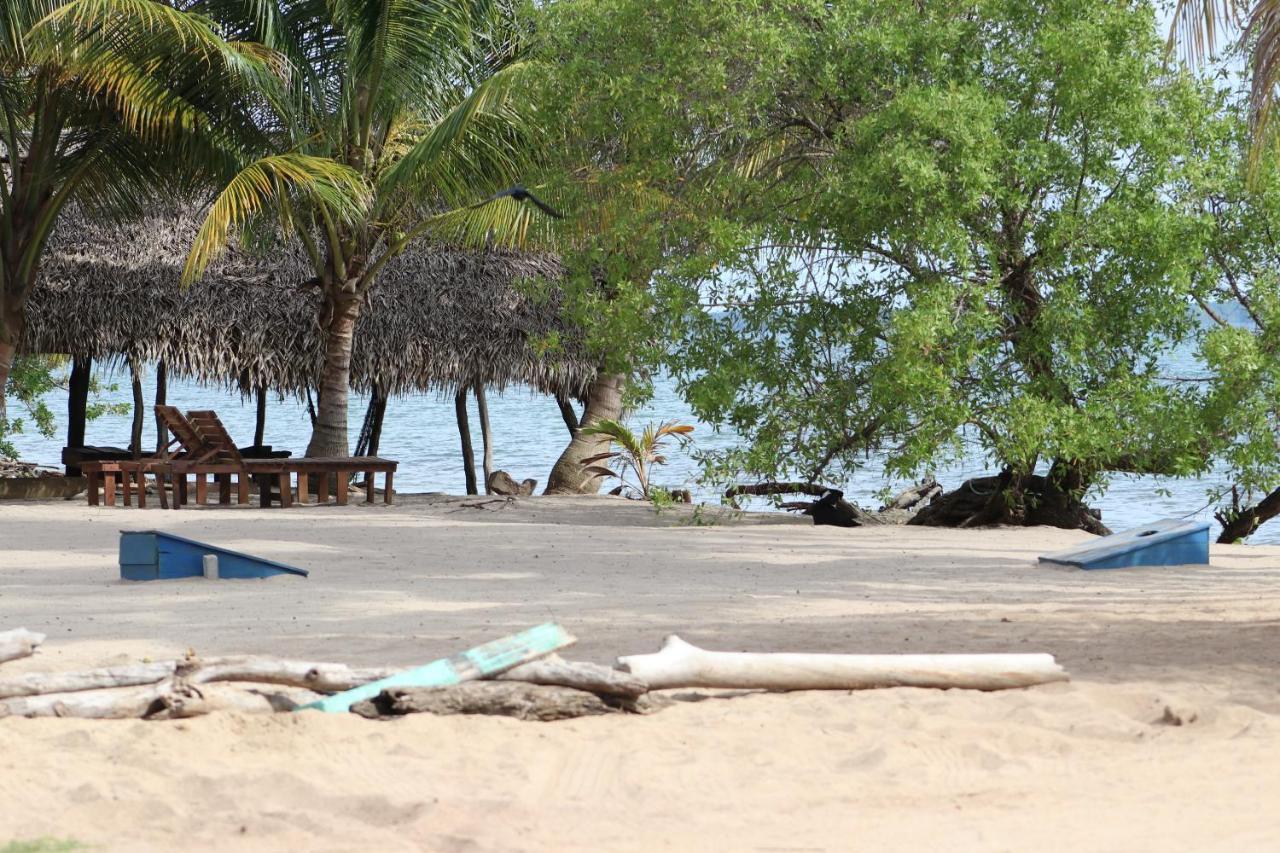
[638, 454]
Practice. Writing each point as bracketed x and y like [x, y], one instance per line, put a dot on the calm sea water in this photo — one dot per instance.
[421, 433]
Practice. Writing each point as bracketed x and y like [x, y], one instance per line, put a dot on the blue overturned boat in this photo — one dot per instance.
[148, 555]
[1169, 542]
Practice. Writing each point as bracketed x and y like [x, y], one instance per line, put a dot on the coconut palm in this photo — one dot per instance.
[1200, 27]
[638, 453]
[103, 103]
[414, 100]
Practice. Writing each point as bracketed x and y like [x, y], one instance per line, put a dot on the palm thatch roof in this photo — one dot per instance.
[437, 318]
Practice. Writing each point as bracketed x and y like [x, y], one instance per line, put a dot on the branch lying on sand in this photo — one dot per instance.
[680, 664]
[523, 701]
[183, 688]
[775, 488]
[18, 643]
[320, 677]
[556, 671]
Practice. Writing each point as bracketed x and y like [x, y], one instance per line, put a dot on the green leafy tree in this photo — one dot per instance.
[105, 104]
[31, 380]
[962, 227]
[400, 118]
[647, 156]
[1240, 348]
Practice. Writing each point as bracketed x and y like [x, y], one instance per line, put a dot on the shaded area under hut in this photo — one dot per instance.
[440, 320]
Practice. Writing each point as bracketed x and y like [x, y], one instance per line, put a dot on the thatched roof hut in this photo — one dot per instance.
[437, 319]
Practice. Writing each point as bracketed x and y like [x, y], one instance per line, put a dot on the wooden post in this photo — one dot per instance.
[135, 434]
[77, 406]
[260, 425]
[483, 405]
[379, 404]
[464, 432]
[162, 391]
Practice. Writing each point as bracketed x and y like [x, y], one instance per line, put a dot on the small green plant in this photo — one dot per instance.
[638, 454]
[42, 845]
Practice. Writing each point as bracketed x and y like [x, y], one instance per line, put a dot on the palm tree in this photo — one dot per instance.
[103, 103]
[1200, 27]
[413, 103]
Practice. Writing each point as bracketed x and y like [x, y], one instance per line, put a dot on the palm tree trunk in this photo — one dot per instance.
[329, 436]
[10, 331]
[604, 402]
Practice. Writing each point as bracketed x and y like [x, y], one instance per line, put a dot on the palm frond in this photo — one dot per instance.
[266, 183]
[1199, 26]
[482, 142]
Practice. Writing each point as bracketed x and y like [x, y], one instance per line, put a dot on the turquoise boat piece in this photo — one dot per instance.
[489, 659]
[1169, 542]
[148, 555]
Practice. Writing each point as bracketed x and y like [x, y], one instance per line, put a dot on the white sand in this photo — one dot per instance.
[1084, 766]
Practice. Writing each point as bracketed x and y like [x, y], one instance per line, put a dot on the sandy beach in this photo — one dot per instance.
[1168, 736]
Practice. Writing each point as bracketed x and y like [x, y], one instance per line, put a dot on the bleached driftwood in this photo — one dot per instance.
[132, 675]
[556, 671]
[320, 677]
[170, 698]
[111, 704]
[197, 700]
[680, 664]
[521, 700]
[18, 643]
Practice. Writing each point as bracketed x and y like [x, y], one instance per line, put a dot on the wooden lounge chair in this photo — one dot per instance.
[210, 430]
[204, 448]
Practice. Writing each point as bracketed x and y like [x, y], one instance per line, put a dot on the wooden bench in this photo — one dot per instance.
[102, 477]
[341, 468]
[205, 449]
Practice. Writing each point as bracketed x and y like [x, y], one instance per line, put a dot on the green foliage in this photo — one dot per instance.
[396, 124]
[1240, 308]
[34, 377]
[639, 454]
[42, 845]
[918, 227]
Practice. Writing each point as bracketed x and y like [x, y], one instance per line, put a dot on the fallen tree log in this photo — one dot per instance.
[921, 493]
[133, 675]
[18, 643]
[319, 677]
[774, 488]
[110, 704]
[170, 698]
[680, 664]
[557, 672]
[532, 702]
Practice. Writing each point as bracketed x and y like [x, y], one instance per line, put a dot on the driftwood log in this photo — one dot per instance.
[18, 643]
[555, 671]
[534, 702]
[921, 493]
[320, 677]
[249, 684]
[680, 664]
[170, 698]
